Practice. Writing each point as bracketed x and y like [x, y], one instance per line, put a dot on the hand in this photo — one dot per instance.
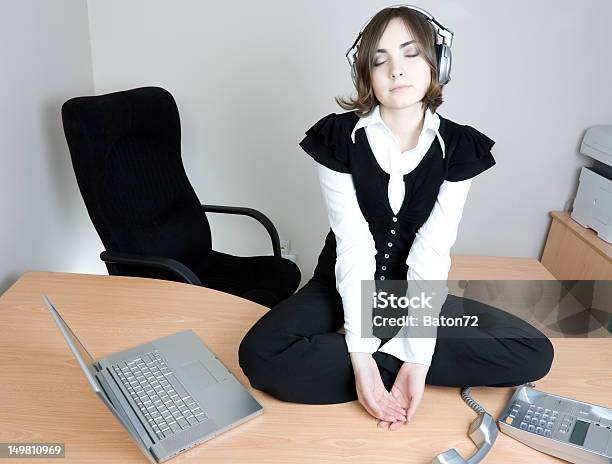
[408, 390]
[371, 391]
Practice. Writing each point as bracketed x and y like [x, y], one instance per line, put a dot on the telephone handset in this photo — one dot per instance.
[483, 432]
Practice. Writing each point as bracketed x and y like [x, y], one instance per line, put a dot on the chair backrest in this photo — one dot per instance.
[126, 153]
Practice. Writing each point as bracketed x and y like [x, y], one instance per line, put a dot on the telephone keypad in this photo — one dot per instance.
[538, 419]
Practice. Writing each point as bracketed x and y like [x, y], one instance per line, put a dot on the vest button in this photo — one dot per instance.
[386, 256]
[393, 231]
[382, 277]
[389, 244]
[384, 268]
[394, 219]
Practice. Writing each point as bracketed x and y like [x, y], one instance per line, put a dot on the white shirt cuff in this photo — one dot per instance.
[357, 344]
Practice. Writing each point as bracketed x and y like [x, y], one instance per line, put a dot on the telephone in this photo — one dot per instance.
[572, 430]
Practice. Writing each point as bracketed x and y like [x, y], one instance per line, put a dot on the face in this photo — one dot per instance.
[400, 75]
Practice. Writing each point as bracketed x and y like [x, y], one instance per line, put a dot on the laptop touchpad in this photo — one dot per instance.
[198, 373]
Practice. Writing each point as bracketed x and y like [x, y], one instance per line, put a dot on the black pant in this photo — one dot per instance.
[295, 354]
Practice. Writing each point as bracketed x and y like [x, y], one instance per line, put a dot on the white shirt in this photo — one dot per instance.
[429, 256]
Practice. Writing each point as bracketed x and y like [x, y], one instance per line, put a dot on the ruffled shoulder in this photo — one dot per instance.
[471, 156]
[327, 141]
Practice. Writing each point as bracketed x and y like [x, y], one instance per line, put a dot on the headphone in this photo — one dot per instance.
[443, 49]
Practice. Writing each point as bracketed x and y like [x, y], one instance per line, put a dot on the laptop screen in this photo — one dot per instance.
[85, 360]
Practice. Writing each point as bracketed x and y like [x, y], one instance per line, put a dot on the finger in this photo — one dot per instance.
[392, 400]
[397, 394]
[396, 405]
[400, 397]
[384, 424]
[396, 397]
[392, 407]
[396, 425]
[389, 414]
[414, 404]
[387, 410]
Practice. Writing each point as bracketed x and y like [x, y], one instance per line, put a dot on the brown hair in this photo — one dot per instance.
[425, 35]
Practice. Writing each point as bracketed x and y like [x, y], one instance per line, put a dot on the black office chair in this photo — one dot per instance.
[126, 153]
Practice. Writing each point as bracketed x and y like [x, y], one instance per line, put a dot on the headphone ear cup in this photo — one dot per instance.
[444, 58]
[438, 63]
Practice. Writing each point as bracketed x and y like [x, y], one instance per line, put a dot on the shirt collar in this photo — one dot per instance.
[430, 123]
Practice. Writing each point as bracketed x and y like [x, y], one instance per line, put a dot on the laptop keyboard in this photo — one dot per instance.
[159, 394]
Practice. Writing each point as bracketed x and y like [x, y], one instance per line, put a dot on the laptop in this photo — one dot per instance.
[170, 394]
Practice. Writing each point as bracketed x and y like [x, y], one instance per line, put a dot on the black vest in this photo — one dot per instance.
[328, 141]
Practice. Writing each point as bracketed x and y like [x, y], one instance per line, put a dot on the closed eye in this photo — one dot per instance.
[407, 56]
[411, 51]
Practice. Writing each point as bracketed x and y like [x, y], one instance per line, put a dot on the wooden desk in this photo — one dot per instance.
[45, 398]
[573, 252]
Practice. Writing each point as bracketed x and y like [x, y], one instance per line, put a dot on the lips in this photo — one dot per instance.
[399, 87]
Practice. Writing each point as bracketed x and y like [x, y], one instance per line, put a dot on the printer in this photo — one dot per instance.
[593, 202]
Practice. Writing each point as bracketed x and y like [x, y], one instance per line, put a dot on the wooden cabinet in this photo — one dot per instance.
[575, 253]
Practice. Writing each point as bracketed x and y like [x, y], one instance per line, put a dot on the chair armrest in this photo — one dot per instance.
[258, 215]
[168, 264]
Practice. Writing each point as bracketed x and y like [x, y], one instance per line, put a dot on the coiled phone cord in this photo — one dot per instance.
[465, 394]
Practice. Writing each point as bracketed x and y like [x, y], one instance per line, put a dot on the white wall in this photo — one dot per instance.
[251, 77]
[46, 59]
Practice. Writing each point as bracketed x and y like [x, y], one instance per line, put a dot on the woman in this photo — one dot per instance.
[395, 177]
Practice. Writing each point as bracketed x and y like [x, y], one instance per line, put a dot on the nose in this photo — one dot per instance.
[396, 70]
